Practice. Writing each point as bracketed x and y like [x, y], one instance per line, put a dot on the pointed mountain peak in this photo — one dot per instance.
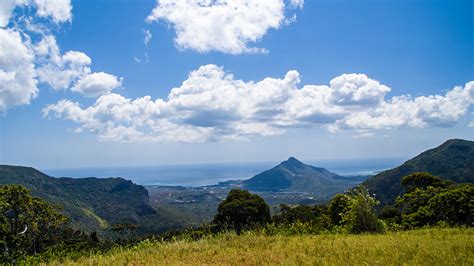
[292, 161]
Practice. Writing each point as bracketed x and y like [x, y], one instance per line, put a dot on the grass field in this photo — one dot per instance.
[419, 247]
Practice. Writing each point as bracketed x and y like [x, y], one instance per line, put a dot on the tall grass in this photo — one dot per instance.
[421, 247]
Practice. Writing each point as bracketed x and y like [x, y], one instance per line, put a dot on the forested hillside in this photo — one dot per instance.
[452, 160]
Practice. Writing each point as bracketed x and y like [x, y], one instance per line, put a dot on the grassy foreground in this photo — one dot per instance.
[425, 247]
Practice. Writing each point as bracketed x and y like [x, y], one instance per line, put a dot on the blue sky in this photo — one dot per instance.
[265, 113]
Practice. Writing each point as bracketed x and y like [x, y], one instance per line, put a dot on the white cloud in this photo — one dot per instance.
[221, 25]
[60, 71]
[212, 105]
[297, 3]
[148, 36]
[97, 84]
[58, 10]
[25, 60]
[17, 73]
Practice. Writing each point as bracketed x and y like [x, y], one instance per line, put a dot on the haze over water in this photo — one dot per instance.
[209, 174]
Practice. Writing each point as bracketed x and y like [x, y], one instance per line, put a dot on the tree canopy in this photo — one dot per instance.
[242, 210]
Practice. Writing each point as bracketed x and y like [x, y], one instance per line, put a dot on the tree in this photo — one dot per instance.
[429, 200]
[420, 180]
[338, 206]
[454, 206]
[26, 223]
[360, 216]
[290, 215]
[241, 210]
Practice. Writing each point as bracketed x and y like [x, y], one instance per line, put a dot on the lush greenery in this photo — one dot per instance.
[428, 200]
[453, 160]
[96, 204]
[241, 210]
[30, 226]
[27, 224]
[418, 247]
[35, 229]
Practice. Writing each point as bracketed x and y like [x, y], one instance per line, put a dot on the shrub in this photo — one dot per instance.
[242, 210]
[360, 216]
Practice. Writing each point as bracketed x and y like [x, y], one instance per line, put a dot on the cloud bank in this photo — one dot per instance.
[222, 25]
[29, 55]
[211, 105]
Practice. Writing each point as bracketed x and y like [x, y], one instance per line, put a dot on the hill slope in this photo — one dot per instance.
[93, 204]
[293, 175]
[453, 160]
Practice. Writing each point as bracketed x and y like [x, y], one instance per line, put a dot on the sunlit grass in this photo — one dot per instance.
[420, 247]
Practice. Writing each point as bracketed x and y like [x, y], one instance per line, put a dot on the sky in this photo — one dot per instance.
[127, 83]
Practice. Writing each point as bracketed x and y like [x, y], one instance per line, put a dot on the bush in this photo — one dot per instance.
[242, 210]
[360, 216]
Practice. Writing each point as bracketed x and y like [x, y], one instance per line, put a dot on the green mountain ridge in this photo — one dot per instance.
[93, 204]
[295, 176]
[452, 160]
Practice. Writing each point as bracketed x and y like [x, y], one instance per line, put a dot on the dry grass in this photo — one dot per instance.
[418, 247]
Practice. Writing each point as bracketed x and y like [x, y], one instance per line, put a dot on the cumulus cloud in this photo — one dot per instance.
[73, 67]
[17, 72]
[211, 105]
[97, 84]
[29, 55]
[58, 10]
[59, 71]
[222, 25]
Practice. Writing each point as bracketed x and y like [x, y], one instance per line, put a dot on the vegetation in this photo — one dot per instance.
[429, 200]
[242, 210]
[95, 204]
[27, 224]
[30, 226]
[453, 160]
[349, 229]
[419, 247]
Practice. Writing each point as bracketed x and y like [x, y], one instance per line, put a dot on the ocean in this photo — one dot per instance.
[210, 174]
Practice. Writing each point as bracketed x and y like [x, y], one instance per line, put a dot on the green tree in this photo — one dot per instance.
[290, 215]
[454, 206]
[429, 200]
[26, 223]
[421, 180]
[360, 216]
[242, 210]
[338, 206]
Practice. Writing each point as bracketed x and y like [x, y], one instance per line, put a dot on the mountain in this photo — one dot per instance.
[93, 204]
[295, 176]
[453, 160]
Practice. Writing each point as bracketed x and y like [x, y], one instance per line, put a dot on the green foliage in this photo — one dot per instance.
[290, 215]
[27, 224]
[242, 210]
[338, 206]
[95, 204]
[315, 217]
[454, 206]
[453, 160]
[420, 180]
[360, 216]
[429, 201]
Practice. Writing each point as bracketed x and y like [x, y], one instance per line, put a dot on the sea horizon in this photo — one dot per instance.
[203, 174]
